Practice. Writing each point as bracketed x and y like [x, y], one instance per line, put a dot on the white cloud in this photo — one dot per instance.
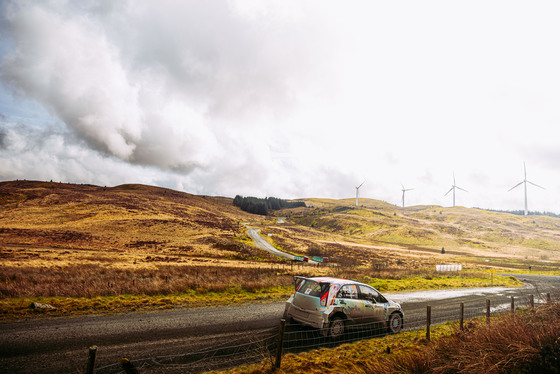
[287, 98]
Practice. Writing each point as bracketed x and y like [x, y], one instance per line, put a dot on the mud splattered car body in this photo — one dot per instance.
[334, 305]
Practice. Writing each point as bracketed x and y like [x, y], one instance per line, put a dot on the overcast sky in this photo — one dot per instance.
[285, 98]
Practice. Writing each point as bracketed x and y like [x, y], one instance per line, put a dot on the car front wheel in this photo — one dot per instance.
[336, 328]
[395, 323]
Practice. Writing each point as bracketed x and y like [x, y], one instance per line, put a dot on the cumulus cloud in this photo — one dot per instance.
[284, 98]
[151, 84]
[29, 152]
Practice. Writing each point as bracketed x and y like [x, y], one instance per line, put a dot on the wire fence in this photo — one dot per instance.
[250, 347]
[270, 344]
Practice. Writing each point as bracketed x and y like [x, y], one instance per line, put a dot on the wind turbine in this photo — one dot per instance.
[403, 191]
[453, 187]
[358, 192]
[525, 181]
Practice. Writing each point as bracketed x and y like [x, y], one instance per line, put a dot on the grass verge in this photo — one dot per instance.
[21, 308]
[13, 308]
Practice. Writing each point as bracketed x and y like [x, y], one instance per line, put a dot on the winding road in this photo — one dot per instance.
[60, 345]
[261, 243]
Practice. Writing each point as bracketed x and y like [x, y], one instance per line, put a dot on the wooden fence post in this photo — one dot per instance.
[548, 299]
[462, 315]
[91, 359]
[512, 305]
[532, 301]
[428, 321]
[280, 343]
[487, 311]
[128, 367]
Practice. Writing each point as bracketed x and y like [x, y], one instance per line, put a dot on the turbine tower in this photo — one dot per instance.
[358, 192]
[453, 187]
[525, 181]
[403, 191]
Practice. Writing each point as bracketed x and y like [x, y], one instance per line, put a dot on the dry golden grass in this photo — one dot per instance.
[423, 230]
[140, 221]
[52, 224]
[122, 218]
[523, 343]
[97, 288]
[92, 280]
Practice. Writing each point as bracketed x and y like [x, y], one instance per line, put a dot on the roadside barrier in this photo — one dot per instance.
[272, 344]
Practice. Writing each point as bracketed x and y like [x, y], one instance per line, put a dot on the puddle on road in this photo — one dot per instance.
[444, 294]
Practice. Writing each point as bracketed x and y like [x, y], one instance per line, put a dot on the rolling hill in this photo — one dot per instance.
[58, 221]
[54, 224]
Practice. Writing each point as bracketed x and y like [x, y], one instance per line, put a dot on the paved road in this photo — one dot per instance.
[261, 243]
[60, 345]
[264, 245]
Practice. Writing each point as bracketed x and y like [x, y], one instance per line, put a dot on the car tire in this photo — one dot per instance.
[395, 323]
[337, 328]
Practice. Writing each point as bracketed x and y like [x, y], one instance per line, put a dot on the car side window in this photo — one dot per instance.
[368, 293]
[348, 291]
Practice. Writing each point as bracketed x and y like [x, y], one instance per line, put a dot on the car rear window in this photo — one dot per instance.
[311, 288]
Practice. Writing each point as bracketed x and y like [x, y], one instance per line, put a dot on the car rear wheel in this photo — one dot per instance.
[336, 328]
[395, 323]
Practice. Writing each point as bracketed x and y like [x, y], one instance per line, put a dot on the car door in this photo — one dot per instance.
[374, 310]
[348, 300]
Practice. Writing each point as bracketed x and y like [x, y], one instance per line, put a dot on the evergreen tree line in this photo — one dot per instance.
[261, 206]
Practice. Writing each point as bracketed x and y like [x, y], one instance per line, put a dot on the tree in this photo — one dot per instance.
[261, 206]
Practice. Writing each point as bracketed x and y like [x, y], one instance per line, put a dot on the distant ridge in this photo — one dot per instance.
[522, 212]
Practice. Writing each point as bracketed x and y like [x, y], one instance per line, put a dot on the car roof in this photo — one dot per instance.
[333, 280]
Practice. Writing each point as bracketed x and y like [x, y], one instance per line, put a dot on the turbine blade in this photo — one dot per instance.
[536, 185]
[518, 184]
[451, 189]
[461, 189]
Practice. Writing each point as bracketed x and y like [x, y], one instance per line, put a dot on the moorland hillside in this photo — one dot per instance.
[477, 234]
[123, 219]
[57, 221]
